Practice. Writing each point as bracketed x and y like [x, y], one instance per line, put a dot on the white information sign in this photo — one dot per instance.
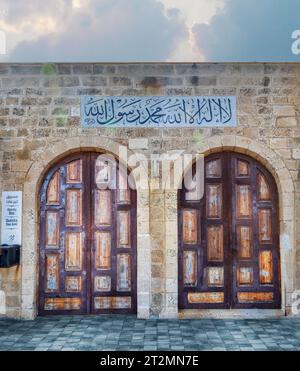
[11, 229]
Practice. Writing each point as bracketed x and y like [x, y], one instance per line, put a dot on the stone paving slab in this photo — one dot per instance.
[100, 333]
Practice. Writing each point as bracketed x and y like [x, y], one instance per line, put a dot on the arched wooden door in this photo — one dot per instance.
[228, 241]
[87, 239]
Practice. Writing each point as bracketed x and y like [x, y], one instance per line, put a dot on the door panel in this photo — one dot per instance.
[203, 239]
[228, 242]
[255, 274]
[63, 242]
[87, 240]
[113, 241]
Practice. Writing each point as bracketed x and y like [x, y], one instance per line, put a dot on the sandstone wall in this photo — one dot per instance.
[35, 113]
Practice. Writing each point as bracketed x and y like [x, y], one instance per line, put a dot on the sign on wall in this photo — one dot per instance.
[11, 230]
[157, 111]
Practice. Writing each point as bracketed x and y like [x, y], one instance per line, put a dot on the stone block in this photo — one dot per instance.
[25, 69]
[138, 143]
[296, 154]
[93, 81]
[82, 69]
[120, 81]
[276, 143]
[284, 110]
[158, 81]
[201, 80]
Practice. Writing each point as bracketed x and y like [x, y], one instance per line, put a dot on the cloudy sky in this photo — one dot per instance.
[148, 30]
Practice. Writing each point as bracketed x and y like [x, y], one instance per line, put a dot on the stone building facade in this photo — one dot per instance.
[38, 128]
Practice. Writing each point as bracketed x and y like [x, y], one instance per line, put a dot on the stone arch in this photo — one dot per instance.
[34, 177]
[276, 166]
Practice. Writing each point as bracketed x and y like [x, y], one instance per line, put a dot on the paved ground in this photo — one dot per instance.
[129, 333]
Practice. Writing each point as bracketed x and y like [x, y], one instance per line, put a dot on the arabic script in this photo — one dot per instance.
[158, 111]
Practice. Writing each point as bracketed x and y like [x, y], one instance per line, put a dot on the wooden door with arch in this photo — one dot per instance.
[87, 239]
[229, 240]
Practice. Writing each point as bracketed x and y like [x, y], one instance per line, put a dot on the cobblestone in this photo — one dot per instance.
[97, 333]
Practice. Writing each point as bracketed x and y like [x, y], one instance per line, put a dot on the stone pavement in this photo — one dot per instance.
[129, 333]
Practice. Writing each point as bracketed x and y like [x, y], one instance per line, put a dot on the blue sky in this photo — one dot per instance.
[255, 30]
[148, 30]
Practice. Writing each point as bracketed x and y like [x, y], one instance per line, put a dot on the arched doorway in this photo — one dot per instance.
[87, 247]
[229, 241]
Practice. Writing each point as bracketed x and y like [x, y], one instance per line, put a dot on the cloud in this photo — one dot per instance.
[19, 11]
[27, 21]
[256, 30]
[96, 30]
[195, 11]
[191, 12]
[149, 30]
